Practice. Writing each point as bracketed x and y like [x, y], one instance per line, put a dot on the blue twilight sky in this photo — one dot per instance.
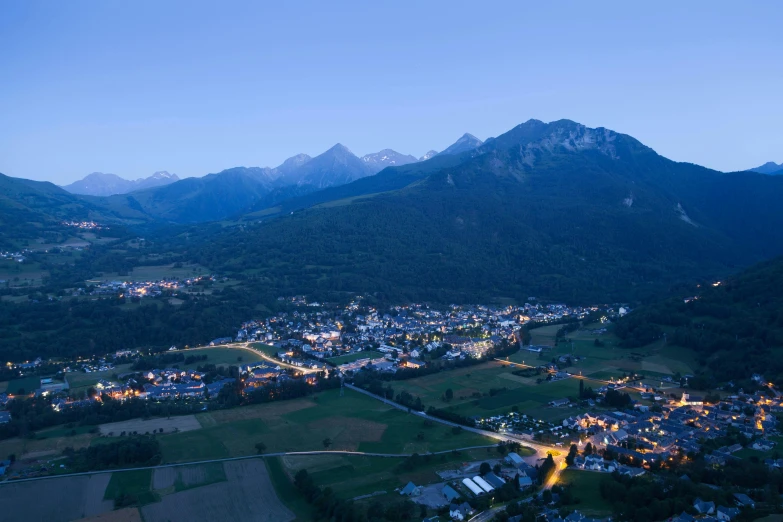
[194, 87]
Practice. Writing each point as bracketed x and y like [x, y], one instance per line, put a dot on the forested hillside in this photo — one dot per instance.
[735, 327]
[555, 210]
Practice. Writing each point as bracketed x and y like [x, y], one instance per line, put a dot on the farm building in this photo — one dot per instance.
[494, 480]
[411, 490]
[450, 493]
[472, 486]
[483, 484]
[514, 459]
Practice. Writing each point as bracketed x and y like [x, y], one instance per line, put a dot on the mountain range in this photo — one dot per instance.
[555, 209]
[100, 184]
[229, 193]
[769, 167]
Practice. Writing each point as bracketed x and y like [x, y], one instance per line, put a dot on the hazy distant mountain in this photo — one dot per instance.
[465, 143]
[100, 184]
[291, 164]
[429, 155]
[336, 166]
[769, 168]
[233, 191]
[387, 158]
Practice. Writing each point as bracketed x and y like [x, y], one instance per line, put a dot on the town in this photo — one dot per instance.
[628, 426]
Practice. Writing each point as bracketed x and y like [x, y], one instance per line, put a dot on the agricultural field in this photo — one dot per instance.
[180, 423]
[342, 359]
[523, 392]
[351, 476]
[585, 486]
[55, 500]
[130, 514]
[155, 273]
[352, 422]
[21, 274]
[246, 493]
[217, 491]
[136, 484]
[48, 442]
[607, 360]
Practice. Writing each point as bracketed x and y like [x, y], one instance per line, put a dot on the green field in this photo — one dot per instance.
[286, 491]
[155, 273]
[221, 356]
[26, 384]
[266, 348]
[342, 359]
[351, 476]
[585, 486]
[81, 380]
[608, 361]
[523, 392]
[352, 422]
[137, 484]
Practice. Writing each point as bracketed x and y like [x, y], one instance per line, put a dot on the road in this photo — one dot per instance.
[249, 347]
[541, 449]
[246, 457]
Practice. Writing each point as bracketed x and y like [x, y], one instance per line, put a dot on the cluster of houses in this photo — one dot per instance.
[18, 256]
[401, 337]
[84, 225]
[682, 425]
[707, 511]
[331, 331]
[145, 288]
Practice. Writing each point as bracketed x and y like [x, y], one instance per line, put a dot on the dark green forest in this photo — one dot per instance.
[736, 327]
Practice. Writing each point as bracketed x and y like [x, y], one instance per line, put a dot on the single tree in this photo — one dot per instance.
[484, 468]
[260, 447]
[572, 453]
[327, 442]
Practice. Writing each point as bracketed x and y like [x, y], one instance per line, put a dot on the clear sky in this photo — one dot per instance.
[192, 87]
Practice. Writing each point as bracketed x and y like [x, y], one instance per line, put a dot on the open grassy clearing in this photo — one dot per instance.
[46, 445]
[137, 484]
[342, 359]
[81, 380]
[523, 392]
[351, 422]
[21, 274]
[220, 356]
[265, 348]
[586, 487]
[23, 386]
[155, 273]
[607, 360]
[351, 476]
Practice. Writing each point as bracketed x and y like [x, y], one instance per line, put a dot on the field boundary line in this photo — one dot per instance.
[245, 457]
